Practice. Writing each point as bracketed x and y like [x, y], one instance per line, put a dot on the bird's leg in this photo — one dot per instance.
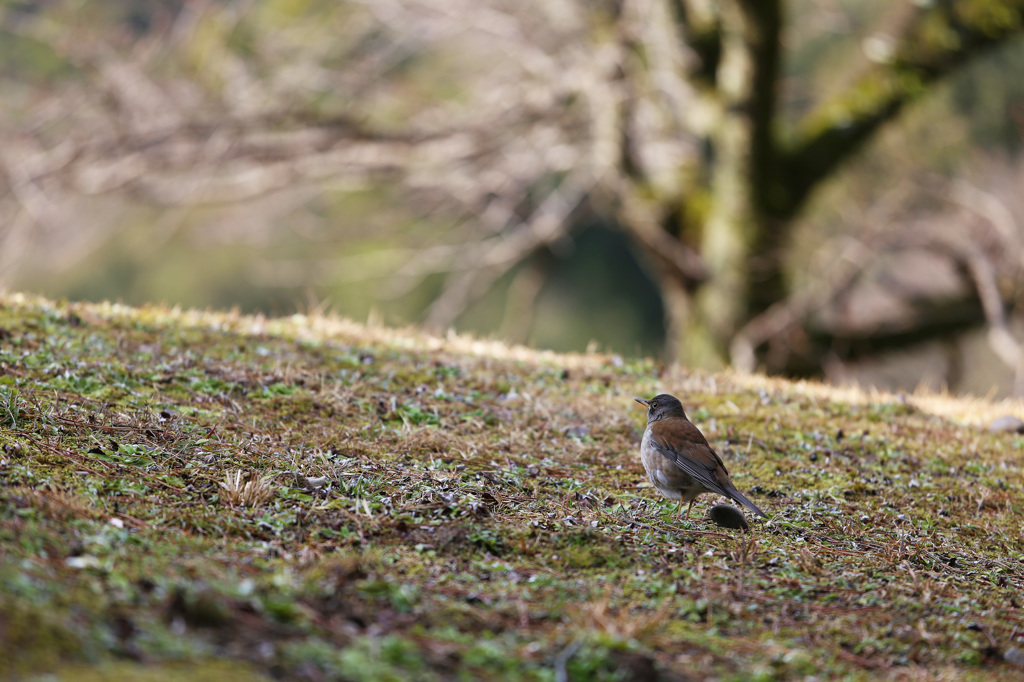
[679, 509]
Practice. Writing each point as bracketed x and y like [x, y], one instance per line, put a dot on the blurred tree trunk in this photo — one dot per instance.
[758, 181]
[744, 275]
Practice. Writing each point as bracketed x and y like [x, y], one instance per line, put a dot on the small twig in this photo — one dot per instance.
[860, 660]
[561, 674]
[110, 429]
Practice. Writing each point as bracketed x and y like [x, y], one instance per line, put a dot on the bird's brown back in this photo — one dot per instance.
[688, 440]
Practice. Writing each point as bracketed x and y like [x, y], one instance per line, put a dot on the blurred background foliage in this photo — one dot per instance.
[548, 172]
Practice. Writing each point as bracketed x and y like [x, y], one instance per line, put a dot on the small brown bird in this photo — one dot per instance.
[678, 459]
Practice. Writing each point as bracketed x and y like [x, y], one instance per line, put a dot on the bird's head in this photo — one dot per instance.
[661, 406]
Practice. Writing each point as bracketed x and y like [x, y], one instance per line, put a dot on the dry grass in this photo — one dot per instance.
[328, 501]
[245, 490]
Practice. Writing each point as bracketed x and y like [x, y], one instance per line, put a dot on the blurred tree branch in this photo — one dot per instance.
[664, 113]
[926, 42]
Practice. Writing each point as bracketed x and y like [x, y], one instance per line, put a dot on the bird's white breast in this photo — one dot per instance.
[652, 461]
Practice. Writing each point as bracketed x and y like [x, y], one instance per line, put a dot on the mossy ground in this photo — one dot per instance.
[452, 509]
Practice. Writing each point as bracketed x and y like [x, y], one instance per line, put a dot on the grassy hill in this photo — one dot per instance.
[210, 496]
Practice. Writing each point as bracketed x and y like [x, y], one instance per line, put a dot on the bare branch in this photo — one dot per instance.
[920, 51]
[494, 257]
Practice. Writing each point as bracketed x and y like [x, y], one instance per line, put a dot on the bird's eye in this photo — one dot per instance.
[654, 404]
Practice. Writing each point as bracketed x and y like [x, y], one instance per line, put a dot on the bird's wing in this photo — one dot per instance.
[703, 464]
[700, 462]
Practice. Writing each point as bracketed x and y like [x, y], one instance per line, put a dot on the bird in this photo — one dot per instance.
[678, 459]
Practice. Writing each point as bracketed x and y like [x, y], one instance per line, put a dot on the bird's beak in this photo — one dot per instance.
[642, 401]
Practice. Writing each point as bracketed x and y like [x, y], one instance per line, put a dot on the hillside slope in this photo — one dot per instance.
[312, 499]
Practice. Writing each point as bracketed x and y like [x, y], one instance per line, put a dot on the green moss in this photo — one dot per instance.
[33, 639]
[209, 671]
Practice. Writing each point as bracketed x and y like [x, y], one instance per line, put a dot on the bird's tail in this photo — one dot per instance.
[739, 497]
